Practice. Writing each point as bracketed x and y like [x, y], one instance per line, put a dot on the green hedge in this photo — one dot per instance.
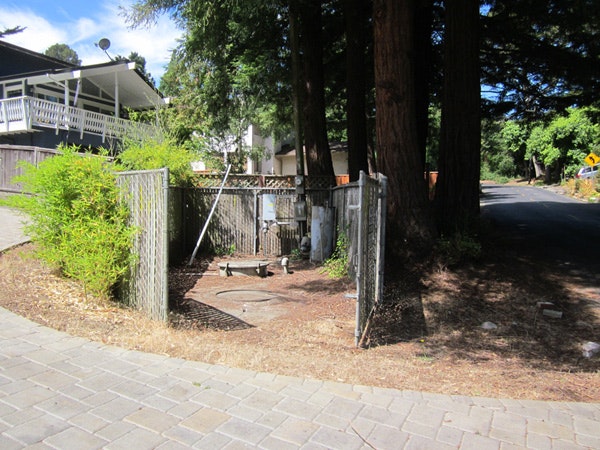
[76, 218]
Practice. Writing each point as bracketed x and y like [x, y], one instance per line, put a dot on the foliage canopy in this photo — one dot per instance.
[536, 59]
[64, 53]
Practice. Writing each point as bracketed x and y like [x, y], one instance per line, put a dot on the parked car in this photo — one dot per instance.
[588, 172]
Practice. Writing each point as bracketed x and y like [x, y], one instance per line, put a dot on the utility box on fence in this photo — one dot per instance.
[269, 207]
[300, 211]
[321, 233]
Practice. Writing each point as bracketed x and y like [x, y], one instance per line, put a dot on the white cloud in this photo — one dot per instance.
[39, 34]
[82, 33]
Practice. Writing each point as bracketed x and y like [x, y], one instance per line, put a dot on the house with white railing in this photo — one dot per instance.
[45, 101]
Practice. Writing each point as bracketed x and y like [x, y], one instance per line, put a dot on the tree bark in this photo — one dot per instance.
[297, 90]
[457, 189]
[356, 14]
[410, 228]
[318, 154]
[423, 67]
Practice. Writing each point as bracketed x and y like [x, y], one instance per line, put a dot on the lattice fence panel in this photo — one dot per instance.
[263, 181]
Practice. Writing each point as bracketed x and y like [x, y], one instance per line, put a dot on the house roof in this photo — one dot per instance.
[16, 60]
[113, 77]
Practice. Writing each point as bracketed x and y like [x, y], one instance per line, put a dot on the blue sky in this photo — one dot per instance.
[81, 24]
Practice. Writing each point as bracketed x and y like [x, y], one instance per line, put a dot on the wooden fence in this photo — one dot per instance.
[238, 224]
[12, 156]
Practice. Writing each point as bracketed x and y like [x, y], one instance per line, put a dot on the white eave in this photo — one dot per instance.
[120, 79]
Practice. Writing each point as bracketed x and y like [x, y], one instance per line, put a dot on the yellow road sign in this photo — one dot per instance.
[592, 159]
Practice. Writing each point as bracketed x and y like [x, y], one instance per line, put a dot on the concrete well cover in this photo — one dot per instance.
[247, 295]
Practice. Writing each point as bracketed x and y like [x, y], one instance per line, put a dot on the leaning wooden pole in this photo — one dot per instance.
[214, 206]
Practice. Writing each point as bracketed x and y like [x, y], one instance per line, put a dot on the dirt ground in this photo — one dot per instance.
[302, 324]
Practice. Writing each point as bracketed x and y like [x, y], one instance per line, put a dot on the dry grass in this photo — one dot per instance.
[433, 343]
[584, 189]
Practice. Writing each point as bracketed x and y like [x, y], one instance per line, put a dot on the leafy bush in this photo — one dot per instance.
[337, 265]
[225, 251]
[149, 155]
[76, 218]
[565, 140]
[488, 174]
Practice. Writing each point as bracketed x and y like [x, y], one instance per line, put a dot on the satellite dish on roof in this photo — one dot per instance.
[104, 44]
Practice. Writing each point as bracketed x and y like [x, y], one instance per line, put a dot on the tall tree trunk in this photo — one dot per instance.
[318, 155]
[297, 96]
[297, 90]
[410, 225]
[423, 44]
[457, 187]
[356, 14]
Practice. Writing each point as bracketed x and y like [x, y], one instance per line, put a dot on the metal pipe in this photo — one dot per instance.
[209, 216]
[255, 224]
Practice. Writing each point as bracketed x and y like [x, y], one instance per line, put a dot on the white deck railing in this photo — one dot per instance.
[22, 114]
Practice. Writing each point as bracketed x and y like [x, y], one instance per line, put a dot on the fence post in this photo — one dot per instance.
[5, 116]
[255, 224]
[361, 259]
[381, 217]
[165, 218]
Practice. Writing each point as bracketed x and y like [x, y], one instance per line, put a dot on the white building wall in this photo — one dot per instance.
[340, 163]
[268, 165]
[288, 164]
[281, 164]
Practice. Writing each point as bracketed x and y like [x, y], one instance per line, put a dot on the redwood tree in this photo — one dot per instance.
[457, 190]
[423, 70]
[409, 224]
[318, 155]
[356, 18]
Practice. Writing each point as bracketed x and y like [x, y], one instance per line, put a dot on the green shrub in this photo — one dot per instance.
[150, 155]
[487, 174]
[225, 251]
[76, 218]
[337, 265]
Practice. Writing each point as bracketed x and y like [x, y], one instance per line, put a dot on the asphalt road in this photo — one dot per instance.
[545, 224]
